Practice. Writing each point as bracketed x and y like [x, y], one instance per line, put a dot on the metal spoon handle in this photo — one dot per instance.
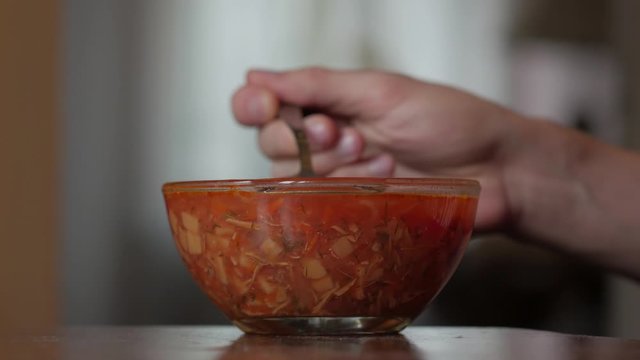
[293, 116]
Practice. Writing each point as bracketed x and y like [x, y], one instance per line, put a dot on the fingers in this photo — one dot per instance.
[335, 151]
[347, 150]
[277, 141]
[256, 102]
[310, 86]
[254, 105]
[342, 99]
[382, 165]
[346, 93]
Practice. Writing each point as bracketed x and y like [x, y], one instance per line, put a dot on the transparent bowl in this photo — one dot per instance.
[322, 255]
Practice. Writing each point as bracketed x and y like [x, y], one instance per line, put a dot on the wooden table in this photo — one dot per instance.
[225, 342]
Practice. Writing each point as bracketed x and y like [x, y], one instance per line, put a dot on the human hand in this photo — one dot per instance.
[379, 124]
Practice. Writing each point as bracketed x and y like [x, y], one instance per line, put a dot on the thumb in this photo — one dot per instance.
[337, 92]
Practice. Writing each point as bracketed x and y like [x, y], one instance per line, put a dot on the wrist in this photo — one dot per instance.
[540, 174]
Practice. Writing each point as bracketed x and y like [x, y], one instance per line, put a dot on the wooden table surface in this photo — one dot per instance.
[225, 342]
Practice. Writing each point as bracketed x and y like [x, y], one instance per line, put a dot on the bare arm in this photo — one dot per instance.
[573, 193]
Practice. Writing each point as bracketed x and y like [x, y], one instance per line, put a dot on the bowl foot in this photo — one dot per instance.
[322, 325]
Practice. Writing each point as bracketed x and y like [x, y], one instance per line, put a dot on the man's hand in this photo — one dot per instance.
[377, 124]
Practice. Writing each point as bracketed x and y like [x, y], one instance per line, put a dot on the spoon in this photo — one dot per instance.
[292, 115]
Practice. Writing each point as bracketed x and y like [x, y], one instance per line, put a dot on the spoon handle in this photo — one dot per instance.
[293, 115]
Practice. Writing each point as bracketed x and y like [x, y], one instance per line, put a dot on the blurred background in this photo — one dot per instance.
[131, 94]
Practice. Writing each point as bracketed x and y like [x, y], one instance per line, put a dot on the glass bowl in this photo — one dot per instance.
[322, 255]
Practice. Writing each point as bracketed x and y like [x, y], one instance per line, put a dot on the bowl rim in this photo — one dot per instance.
[351, 185]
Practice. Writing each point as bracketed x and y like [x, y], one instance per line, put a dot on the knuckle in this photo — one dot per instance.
[385, 88]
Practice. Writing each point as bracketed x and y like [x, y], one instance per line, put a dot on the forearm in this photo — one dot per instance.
[576, 194]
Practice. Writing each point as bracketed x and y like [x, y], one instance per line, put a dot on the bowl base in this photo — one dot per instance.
[322, 325]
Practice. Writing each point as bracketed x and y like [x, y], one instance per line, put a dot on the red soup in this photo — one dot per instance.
[336, 252]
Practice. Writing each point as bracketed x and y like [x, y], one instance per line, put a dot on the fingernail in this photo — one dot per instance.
[317, 131]
[381, 166]
[257, 107]
[347, 145]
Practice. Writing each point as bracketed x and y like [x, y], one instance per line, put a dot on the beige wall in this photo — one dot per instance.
[625, 294]
[28, 109]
